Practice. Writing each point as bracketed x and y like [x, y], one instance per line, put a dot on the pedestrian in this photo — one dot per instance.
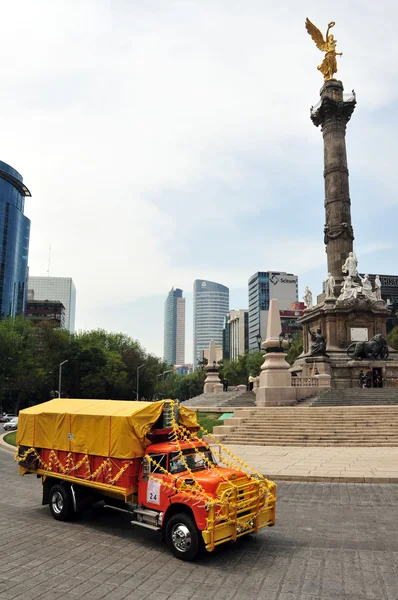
[369, 377]
[361, 379]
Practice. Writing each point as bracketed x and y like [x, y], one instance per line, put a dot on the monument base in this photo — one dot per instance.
[275, 386]
[277, 396]
[212, 382]
[342, 322]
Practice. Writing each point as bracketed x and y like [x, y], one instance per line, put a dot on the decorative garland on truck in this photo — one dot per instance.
[185, 490]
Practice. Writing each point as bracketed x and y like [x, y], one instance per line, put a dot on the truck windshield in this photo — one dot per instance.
[193, 459]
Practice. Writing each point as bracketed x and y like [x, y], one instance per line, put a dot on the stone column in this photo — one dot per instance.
[333, 113]
[275, 385]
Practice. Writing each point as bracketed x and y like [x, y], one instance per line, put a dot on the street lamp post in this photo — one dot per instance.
[259, 340]
[138, 381]
[60, 377]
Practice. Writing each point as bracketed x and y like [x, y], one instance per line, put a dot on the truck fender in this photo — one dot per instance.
[48, 483]
[174, 509]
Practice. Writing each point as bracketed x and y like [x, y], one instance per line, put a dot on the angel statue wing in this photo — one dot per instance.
[316, 35]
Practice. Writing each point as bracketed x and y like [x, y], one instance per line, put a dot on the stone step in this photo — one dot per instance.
[263, 439]
[384, 444]
[299, 430]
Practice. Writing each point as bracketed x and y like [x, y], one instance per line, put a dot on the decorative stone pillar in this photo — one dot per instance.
[275, 386]
[333, 113]
[212, 381]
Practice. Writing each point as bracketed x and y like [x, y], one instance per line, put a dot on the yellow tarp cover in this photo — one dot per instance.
[115, 428]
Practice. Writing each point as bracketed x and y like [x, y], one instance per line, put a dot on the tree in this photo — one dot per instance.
[393, 338]
[296, 347]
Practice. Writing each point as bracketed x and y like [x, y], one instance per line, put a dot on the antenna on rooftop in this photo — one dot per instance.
[49, 260]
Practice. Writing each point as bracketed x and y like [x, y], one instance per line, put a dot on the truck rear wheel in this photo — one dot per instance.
[183, 537]
[60, 501]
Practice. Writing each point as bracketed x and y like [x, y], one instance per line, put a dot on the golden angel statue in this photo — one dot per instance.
[329, 64]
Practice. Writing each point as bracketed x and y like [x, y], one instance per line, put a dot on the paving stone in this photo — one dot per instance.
[332, 541]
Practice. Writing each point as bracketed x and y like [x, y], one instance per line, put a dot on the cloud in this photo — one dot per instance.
[168, 141]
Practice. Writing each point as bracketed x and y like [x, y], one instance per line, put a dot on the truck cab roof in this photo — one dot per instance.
[170, 446]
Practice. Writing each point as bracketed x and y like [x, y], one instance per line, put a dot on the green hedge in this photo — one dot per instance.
[10, 438]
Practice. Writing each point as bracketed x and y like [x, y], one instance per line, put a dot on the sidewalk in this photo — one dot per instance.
[313, 463]
[322, 463]
[5, 446]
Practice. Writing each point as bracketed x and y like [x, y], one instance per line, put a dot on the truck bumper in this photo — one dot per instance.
[226, 531]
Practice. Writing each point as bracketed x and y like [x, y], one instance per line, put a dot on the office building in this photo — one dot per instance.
[55, 288]
[389, 287]
[263, 286]
[226, 351]
[183, 369]
[290, 318]
[174, 328]
[46, 311]
[238, 333]
[14, 242]
[210, 305]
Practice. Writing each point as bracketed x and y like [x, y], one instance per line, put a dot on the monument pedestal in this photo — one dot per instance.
[342, 322]
[275, 387]
[212, 382]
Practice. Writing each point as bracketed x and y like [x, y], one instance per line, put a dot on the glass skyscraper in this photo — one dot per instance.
[263, 286]
[174, 328]
[210, 305]
[14, 242]
[56, 288]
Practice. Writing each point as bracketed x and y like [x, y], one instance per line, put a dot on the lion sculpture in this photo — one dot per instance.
[377, 347]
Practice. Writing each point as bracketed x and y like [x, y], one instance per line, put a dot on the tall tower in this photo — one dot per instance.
[210, 305]
[333, 113]
[14, 242]
[174, 328]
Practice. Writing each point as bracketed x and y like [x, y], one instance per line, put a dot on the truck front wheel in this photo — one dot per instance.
[183, 537]
[60, 501]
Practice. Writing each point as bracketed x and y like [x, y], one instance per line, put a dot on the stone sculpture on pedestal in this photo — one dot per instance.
[377, 347]
[378, 288]
[318, 343]
[351, 265]
[367, 287]
[349, 289]
[329, 286]
[307, 297]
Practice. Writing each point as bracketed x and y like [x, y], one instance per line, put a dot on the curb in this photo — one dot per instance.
[4, 445]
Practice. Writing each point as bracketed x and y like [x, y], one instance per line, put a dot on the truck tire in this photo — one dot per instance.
[60, 501]
[183, 537]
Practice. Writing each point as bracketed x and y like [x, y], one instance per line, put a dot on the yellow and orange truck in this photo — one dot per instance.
[143, 458]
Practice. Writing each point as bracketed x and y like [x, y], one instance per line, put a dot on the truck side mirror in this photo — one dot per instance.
[146, 468]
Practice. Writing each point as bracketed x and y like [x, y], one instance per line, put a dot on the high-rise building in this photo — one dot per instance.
[14, 242]
[263, 286]
[55, 288]
[174, 328]
[46, 311]
[210, 305]
[226, 348]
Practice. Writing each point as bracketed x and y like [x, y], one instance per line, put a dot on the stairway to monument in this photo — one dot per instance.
[356, 397]
[247, 399]
[213, 399]
[315, 426]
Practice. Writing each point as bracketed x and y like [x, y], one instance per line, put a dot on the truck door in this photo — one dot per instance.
[151, 492]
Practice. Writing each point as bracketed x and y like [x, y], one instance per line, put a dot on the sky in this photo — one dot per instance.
[168, 141]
